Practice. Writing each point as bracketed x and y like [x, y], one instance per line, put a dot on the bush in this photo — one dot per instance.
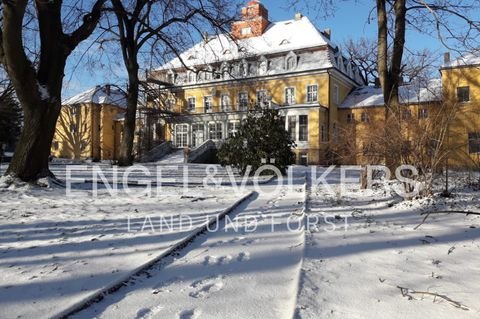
[261, 136]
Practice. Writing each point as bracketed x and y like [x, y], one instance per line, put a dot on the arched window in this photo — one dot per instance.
[291, 63]
[208, 74]
[191, 77]
[243, 69]
[263, 66]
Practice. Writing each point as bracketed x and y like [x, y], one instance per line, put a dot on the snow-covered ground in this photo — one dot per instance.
[248, 268]
[381, 266]
[80, 172]
[57, 251]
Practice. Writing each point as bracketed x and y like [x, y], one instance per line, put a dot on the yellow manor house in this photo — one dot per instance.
[294, 67]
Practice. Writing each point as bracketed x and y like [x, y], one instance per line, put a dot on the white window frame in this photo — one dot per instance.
[263, 93]
[364, 117]
[240, 106]
[189, 108]
[193, 133]
[292, 100]
[299, 129]
[225, 107]
[210, 110]
[235, 125]
[216, 131]
[191, 77]
[293, 136]
[309, 95]
[293, 66]
[263, 67]
[185, 135]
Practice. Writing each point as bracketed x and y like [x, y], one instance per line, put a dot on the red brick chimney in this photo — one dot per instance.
[254, 21]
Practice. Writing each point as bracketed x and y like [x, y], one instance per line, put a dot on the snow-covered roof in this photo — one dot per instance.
[369, 96]
[100, 95]
[281, 36]
[466, 60]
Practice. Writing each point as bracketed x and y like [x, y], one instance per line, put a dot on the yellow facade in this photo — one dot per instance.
[295, 68]
[332, 89]
[467, 119]
[462, 118]
[87, 131]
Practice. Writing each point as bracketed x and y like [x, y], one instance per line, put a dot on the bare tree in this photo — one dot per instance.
[38, 86]
[163, 26]
[416, 66]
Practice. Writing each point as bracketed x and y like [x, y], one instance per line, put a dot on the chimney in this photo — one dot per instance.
[107, 89]
[298, 16]
[254, 21]
[377, 82]
[328, 33]
[446, 57]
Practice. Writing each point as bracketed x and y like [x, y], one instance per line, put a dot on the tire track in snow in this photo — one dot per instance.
[226, 273]
[175, 249]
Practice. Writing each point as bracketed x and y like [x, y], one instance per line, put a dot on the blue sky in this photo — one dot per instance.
[348, 21]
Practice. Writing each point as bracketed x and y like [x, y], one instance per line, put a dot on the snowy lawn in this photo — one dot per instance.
[57, 250]
[152, 173]
[381, 267]
[248, 268]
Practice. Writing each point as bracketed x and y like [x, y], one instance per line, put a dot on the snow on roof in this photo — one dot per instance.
[369, 96]
[466, 60]
[100, 95]
[281, 36]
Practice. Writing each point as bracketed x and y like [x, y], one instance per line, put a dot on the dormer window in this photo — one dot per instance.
[171, 78]
[191, 77]
[263, 67]
[208, 74]
[226, 52]
[243, 69]
[285, 42]
[225, 71]
[191, 57]
[291, 63]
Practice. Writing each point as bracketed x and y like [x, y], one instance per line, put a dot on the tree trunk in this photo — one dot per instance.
[30, 160]
[39, 89]
[390, 75]
[382, 56]
[126, 147]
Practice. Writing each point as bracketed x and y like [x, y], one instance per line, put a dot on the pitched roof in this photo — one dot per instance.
[369, 96]
[281, 36]
[100, 95]
[466, 60]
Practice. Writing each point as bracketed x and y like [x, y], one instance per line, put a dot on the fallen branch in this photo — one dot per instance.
[452, 212]
[407, 292]
[423, 221]
[427, 214]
